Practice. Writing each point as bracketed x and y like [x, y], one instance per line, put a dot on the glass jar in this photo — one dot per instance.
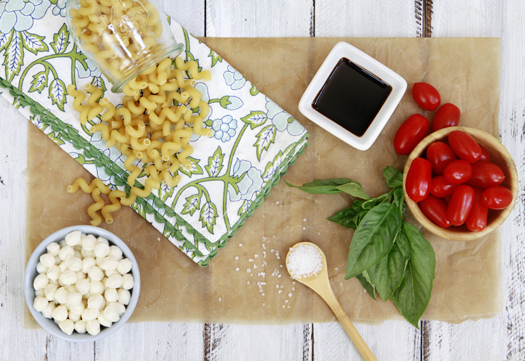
[122, 37]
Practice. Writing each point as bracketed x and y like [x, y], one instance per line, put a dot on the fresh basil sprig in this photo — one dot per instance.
[387, 254]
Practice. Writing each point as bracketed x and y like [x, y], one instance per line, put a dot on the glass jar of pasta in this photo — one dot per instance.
[122, 37]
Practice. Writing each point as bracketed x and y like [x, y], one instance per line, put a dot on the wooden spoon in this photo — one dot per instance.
[320, 284]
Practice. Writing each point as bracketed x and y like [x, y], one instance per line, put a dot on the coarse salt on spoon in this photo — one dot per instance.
[306, 263]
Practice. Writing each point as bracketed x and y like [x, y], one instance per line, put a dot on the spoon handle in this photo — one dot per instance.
[349, 327]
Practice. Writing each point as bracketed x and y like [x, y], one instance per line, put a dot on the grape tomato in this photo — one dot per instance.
[436, 210]
[410, 133]
[460, 205]
[440, 188]
[426, 96]
[497, 197]
[447, 116]
[464, 146]
[478, 215]
[485, 175]
[458, 171]
[417, 183]
[439, 155]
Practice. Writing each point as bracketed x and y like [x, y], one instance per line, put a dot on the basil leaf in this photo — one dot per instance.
[399, 200]
[371, 203]
[373, 238]
[413, 295]
[370, 289]
[393, 177]
[388, 274]
[323, 186]
[354, 189]
[345, 217]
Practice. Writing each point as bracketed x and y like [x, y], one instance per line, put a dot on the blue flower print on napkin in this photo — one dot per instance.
[90, 71]
[60, 8]
[282, 120]
[234, 79]
[224, 128]
[230, 102]
[250, 183]
[19, 14]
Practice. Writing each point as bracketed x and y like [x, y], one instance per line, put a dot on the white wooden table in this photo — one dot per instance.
[499, 338]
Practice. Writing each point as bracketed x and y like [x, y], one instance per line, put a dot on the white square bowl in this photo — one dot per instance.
[356, 56]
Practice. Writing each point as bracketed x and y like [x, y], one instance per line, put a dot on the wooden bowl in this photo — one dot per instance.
[498, 155]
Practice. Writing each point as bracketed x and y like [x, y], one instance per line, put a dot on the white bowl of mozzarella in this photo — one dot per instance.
[82, 283]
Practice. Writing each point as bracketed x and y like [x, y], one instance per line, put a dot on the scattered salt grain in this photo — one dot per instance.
[236, 258]
[290, 294]
[304, 220]
[248, 282]
[219, 300]
[256, 255]
[280, 291]
[250, 260]
[248, 270]
[158, 239]
[240, 244]
[237, 269]
[305, 260]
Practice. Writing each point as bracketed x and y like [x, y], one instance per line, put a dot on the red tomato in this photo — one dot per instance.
[439, 155]
[458, 171]
[485, 175]
[410, 133]
[464, 146]
[485, 156]
[440, 188]
[496, 197]
[460, 205]
[417, 183]
[477, 218]
[436, 210]
[426, 96]
[446, 116]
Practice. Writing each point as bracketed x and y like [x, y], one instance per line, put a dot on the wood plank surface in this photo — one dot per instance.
[495, 339]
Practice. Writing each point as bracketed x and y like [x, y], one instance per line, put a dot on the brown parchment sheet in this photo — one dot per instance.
[247, 282]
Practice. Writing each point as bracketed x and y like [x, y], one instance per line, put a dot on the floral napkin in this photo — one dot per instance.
[254, 140]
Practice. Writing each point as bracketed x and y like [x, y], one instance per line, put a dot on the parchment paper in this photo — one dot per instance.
[247, 282]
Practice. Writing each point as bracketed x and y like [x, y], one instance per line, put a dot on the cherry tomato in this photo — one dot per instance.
[485, 156]
[446, 116]
[477, 218]
[458, 171]
[439, 155]
[410, 133]
[417, 183]
[460, 205]
[426, 96]
[436, 210]
[496, 197]
[485, 175]
[464, 146]
[440, 188]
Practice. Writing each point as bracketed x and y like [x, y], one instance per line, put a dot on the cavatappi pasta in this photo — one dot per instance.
[160, 111]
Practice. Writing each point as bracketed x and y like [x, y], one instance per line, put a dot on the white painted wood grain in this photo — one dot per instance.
[188, 13]
[258, 18]
[236, 342]
[14, 340]
[502, 337]
[158, 341]
[393, 341]
[375, 18]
